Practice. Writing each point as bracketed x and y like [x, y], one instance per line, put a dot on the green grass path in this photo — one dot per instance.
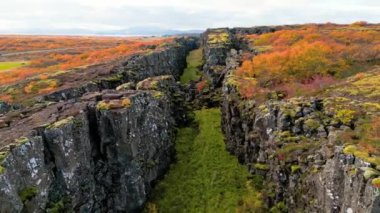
[194, 61]
[205, 178]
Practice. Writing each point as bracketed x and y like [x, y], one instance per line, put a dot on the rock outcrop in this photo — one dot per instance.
[169, 61]
[96, 149]
[104, 158]
[216, 43]
[296, 146]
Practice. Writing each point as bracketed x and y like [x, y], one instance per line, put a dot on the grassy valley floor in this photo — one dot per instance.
[194, 62]
[205, 178]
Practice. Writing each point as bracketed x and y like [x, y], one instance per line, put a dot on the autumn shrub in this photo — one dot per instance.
[41, 86]
[308, 58]
[96, 50]
[200, 86]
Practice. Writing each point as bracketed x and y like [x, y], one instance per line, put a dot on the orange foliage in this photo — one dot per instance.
[308, 56]
[201, 86]
[53, 62]
[301, 62]
[248, 87]
[29, 43]
[375, 129]
[6, 98]
[40, 87]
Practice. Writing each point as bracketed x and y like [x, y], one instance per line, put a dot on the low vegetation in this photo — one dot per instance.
[194, 63]
[49, 57]
[114, 104]
[205, 178]
[307, 58]
[337, 63]
[218, 37]
[28, 193]
[4, 66]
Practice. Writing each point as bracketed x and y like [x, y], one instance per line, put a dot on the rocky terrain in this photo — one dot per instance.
[97, 147]
[298, 145]
[102, 142]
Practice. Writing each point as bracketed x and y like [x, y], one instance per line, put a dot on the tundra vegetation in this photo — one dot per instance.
[338, 64]
[318, 80]
[30, 65]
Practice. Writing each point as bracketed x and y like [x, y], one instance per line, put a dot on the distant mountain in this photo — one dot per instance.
[133, 31]
[151, 31]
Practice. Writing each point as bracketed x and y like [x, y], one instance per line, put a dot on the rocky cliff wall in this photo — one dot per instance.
[105, 158]
[168, 61]
[296, 146]
[298, 154]
[101, 151]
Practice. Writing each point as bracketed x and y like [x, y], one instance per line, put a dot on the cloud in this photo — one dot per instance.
[99, 15]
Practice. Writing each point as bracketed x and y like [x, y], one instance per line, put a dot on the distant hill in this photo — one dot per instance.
[133, 31]
[154, 31]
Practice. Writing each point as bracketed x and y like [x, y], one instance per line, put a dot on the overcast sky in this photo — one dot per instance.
[102, 15]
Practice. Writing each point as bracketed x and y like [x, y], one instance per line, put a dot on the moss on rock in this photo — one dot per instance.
[261, 166]
[295, 168]
[346, 116]
[114, 104]
[61, 123]
[215, 38]
[2, 170]
[312, 124]
[376, 182]
[22, 140]
[28, 193]
[370, 173]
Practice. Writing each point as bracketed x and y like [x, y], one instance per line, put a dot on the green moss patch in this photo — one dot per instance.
[365, 86]
[2, 170]
[280, 207]
[312, 124]
[114, 104]
[295, 168]
[261, 166]
[370, 173]
[61, 123]
[346, 116]
[28, 193]
[362, 154]
[22, 140]
[205, 178]
[216, 38]
[56, 207]
[376, 182]
[3, 155]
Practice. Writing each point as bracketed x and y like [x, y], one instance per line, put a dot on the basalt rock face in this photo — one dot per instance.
[6, 107]
[216, 43]
[295, 145]
[167, 84]
[96, 149]
[254, 30]
[102, 159]
[169, 61]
